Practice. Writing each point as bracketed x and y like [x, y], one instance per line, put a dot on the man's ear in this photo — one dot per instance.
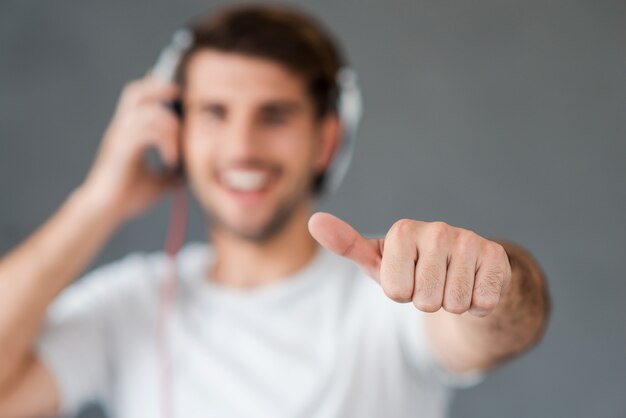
[330, 138]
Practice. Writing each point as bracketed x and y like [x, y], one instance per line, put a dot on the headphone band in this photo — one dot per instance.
[349, 106]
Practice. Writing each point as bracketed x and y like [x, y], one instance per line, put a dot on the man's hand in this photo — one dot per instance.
[432, 264]
[119, 179]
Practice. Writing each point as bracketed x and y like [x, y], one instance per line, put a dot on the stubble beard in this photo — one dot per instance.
[283, 214]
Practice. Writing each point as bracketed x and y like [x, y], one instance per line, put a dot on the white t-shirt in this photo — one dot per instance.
[325, 342]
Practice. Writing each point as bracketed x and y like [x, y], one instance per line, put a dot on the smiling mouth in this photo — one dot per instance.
[248, 180]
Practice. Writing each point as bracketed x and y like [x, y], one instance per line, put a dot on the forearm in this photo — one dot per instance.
[516, 324]
[32, 274]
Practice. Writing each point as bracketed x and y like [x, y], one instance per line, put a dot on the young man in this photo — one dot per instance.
[267, 323]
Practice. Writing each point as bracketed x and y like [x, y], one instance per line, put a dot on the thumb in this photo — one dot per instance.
[340, 238]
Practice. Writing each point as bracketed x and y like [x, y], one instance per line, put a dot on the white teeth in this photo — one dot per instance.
[245, 180]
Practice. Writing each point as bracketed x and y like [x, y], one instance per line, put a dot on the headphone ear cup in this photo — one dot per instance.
[349, 109]
[177, 107]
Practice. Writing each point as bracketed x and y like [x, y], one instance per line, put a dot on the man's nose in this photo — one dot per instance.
[242, 138]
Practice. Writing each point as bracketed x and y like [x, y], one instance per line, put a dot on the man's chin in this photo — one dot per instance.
[261, 225]
[258, 234]
[255, 231]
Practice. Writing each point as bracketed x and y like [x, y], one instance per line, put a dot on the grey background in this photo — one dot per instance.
[501, 116]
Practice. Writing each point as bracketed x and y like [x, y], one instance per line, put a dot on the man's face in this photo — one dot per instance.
[251, 143]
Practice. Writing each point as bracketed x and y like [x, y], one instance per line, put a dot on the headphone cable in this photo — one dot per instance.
[167, 297]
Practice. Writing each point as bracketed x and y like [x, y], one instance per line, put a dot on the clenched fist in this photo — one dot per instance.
[432, 264]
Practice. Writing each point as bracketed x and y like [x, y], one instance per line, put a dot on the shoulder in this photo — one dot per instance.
[132, 280]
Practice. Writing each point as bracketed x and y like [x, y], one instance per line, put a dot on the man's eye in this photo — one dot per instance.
[274, 117]
[214, 111]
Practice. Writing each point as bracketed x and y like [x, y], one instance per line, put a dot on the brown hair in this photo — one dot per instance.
[282, 34]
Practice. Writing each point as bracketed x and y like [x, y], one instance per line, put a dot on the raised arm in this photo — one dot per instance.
[117, 188]
[487, 301]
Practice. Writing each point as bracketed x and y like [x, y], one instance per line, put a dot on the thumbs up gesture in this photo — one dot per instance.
[432, 264]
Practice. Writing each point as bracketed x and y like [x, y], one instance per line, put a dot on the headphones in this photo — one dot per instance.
[349, 106]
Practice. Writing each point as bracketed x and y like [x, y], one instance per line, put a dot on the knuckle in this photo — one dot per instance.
[479, 312]
[457, 299]
[401, 228]
[466, 240]
[495, 250]
[486, 296]
[398, 293]
[485, 303]
[454, 308]
[429, 297]
[438, 230]
[426, 305]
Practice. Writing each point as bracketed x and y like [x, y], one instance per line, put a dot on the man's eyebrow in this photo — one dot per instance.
[275, 105]
[282, 106]
[204, 102]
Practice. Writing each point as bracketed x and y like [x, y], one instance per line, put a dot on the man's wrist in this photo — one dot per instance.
[95, 205]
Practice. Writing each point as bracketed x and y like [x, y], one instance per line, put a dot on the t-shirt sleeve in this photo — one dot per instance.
[410, 323]
[75, 343]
